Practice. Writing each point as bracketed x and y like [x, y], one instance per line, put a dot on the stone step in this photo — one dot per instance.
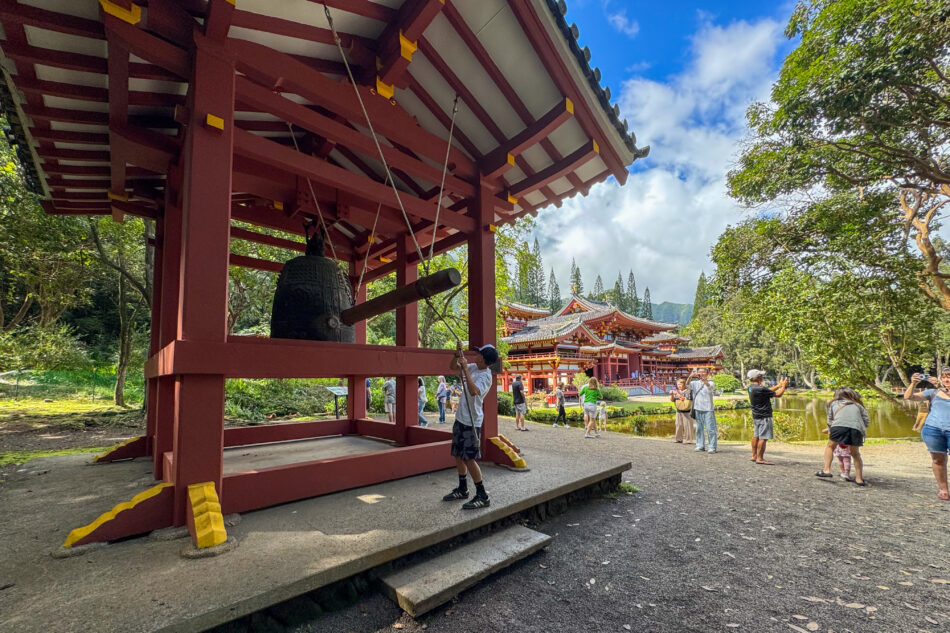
[428, 584]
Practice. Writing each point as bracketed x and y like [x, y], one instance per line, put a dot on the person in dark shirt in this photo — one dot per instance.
[521, 407]
[760, 398]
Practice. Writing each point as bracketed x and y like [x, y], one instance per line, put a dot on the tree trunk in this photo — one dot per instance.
[125, 345]
[809, 379]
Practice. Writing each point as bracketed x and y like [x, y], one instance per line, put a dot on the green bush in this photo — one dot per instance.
[574, 414]
[255, 400]
[613, 394]
[727, 382]
[44, 348]
[506, 404]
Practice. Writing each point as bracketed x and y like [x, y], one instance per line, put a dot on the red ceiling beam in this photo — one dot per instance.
[270, 240]
[532, 210]
[262, 149]
[118, 108]
[218, 22]
[84, 63]
[69, 136]
[289, 28]
[94, 156]
[84, 170]
[399, 41]
[270, 67]
[14, 12]
[416, 88]
[252, 262]
[548, 54]
[86, 117]
[365, 8]
[252, 94]
[443, 245]
[535, 131]
[91, 93]
[148, 47]
[546, 176]
[145, 148]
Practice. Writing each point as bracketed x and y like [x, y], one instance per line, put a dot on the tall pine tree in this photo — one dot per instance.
[619, 298]
[577, 283]
[647, 311]
[538, 293]
[554, 294]
[598, 293]
[701, 295]
[633, 301]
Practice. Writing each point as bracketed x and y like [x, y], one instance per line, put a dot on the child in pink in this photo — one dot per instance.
[843, 453]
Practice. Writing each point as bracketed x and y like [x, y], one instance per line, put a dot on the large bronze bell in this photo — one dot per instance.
[311, 293]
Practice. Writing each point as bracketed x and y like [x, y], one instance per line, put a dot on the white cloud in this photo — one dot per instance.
[622, 23]
[663, 222]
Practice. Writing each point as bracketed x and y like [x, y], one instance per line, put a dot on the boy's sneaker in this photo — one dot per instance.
[845, 477]
[596, 434]
[588, 436]
[455, 495]
[478, 501]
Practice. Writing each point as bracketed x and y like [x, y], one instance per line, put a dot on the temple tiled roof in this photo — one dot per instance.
[664, 337]
[599, 309]
[521, 307]
[548, 331]
[687, 353]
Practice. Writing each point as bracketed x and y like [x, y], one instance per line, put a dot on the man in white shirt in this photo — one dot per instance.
[702, 392]
[477, 381]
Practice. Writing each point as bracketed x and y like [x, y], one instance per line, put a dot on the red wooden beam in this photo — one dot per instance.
[416, 88]
[148, 47]
[90, 170]
[365, 8]
[118, 108]
[68, 136]
[85, 117]
[243, 436]
[152, 150]
[255, 263]
[262, 149]
[270, 67]
[77, 61]
[267, 101]
[250, 357]
[398, 42]
[96, 156]
[218, 22]
[548, 175]
[16, 13]
[262, 238]
[91, 93]
[535, 132]
[557, 69]
[443, 245]
[289, 28]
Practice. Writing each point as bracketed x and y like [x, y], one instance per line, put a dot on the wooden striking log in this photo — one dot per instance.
[424, 288]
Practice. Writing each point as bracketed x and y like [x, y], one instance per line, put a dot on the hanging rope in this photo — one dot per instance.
[369, 246]
[326, 231]
[445, 168]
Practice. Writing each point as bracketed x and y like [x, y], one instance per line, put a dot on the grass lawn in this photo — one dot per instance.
[19, 457]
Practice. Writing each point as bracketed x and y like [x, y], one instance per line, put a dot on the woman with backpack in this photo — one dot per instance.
[936, 429]
[682, 402]
[847, 424]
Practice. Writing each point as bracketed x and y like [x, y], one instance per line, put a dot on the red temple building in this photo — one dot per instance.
[626, 351]
[222, 123]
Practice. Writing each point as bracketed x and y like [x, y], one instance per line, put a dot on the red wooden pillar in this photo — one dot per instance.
[206, 219]
[407, 335]
[154, 343]
[356, 385]
[166, 393]
[481, 302]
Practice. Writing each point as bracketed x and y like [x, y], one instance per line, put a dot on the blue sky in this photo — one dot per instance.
[683, 74]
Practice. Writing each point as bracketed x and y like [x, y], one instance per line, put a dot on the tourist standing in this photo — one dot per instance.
[521, 407]
[369, 396]
[559, 401]
[760, 398]
[389, 398]
[936, 430]
[477, 381]
[441, 393]
[589, 395]
[701, 393]
[847, 424]
[683, 403]
[423, 399]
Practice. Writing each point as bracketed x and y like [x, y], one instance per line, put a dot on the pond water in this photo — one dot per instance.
[801, 418]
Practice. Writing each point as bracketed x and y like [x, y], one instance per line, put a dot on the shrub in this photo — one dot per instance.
[537, 400]
[506, 404]
[51, 347]
[613, 394]
[255, 400]
[727, 382]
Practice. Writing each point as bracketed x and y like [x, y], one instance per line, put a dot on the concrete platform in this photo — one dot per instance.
[425, 586]
[143, 585]
[255, 456]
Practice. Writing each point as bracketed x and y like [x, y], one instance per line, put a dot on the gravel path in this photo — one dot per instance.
[715, 543]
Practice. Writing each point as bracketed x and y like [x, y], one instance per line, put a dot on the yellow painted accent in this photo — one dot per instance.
[214, 121]
[406, 47]
[385, 260]
[80, 533]
[121, 197]
[516, 460]
[511, 159]
[206, 510]
[371, 239]
[383, 89]
[512, 199]
[278, 205]
[596, 147]
[116, 447]
[492, 228]
[568, 105]
[132, 16]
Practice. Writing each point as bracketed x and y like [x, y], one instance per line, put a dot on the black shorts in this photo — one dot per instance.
[846, 436]
[464, 444]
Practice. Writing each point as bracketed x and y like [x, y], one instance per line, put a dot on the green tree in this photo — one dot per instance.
[618, 296]
[646, 309]
[577, 282]
[538, 291]
[701, 295]
[861, 106]
[554, 294]
[633, 301]
[598, 292]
